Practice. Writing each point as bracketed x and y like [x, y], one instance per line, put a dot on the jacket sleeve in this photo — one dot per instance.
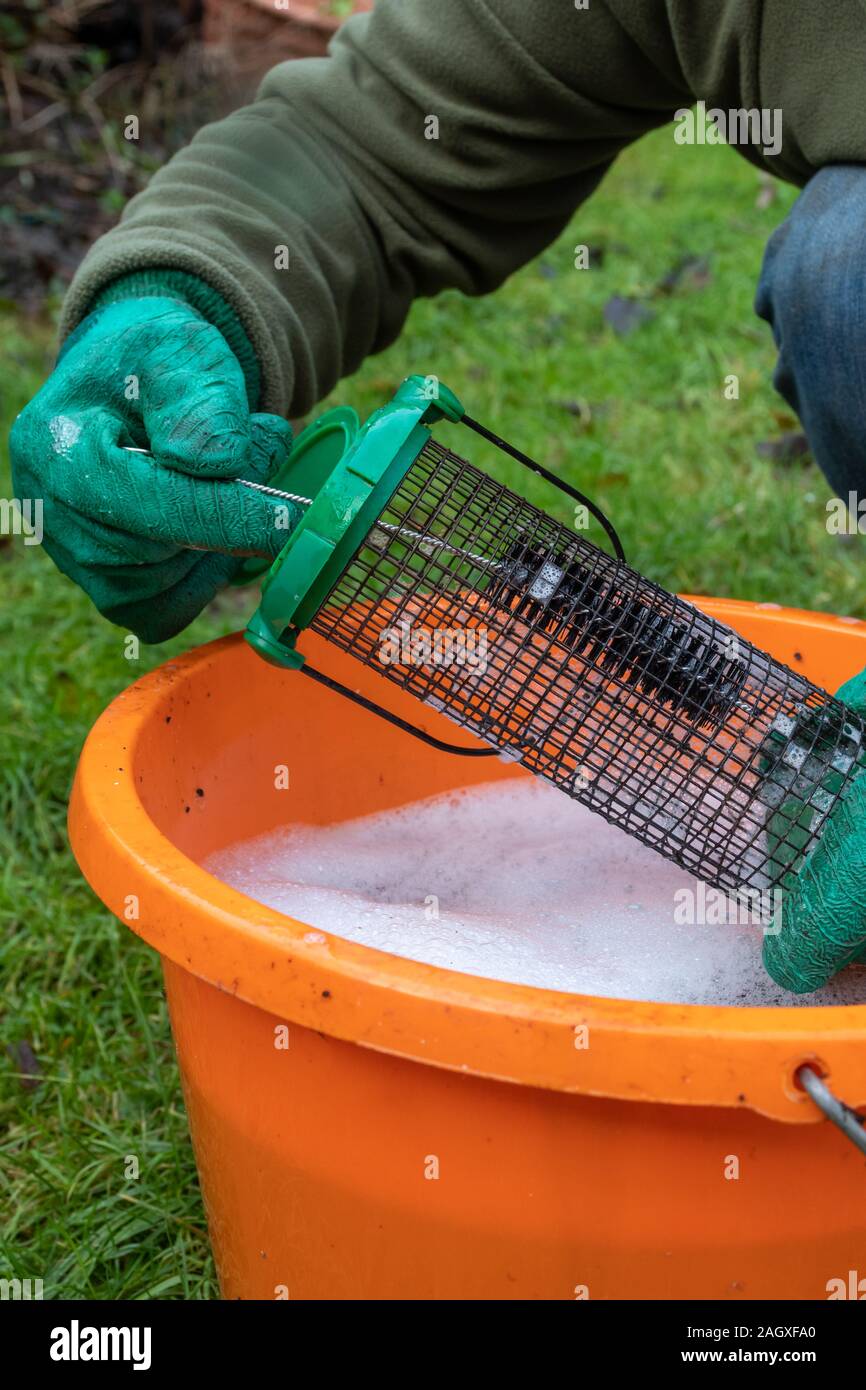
[438, 145]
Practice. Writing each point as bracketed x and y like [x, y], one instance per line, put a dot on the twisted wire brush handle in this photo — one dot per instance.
[481, 561]
[245, 482]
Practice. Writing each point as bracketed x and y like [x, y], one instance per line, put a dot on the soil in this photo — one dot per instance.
[70, 75]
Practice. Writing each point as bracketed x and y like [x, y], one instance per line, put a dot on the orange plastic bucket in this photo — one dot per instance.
[419, 1133]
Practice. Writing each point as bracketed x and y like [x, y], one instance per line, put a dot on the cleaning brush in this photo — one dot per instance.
[635, 644]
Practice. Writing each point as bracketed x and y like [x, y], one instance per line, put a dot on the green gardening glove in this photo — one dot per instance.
[152, 372]
[824, 913]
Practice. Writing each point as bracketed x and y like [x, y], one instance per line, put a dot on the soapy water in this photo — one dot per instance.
[514, 881]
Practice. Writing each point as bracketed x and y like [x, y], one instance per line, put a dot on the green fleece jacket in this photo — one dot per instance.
[340, 161]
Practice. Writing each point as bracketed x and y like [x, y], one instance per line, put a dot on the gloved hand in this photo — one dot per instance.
[151, 372]
[824, 914]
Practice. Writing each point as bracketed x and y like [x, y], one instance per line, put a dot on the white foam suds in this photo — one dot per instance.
[513, 881]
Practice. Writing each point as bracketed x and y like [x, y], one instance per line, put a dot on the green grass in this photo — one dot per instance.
[654, 441]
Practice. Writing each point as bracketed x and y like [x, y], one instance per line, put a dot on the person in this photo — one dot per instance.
[438, 145]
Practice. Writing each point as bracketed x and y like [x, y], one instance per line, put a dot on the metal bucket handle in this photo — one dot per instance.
[841, 1115]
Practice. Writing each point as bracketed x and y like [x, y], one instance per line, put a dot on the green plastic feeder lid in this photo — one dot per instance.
[312, 458]
[351, 477]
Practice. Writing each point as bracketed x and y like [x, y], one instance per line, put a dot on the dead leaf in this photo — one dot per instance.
[767, 193]
[625, 315]
[689, 273]
[26, 1064]
[786, 449]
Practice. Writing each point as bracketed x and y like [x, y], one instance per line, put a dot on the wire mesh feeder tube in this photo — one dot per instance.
[626, 698]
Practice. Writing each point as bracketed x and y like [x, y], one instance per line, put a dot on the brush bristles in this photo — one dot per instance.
[625, 638]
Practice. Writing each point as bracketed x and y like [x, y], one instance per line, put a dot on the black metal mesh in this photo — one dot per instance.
[631, 701]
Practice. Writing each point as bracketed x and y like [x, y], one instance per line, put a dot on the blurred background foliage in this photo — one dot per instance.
[70, 72]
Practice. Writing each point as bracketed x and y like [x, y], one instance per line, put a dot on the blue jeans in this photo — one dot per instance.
[812, 292]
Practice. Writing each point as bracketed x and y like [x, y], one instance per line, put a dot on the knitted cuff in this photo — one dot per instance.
[177, 284]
